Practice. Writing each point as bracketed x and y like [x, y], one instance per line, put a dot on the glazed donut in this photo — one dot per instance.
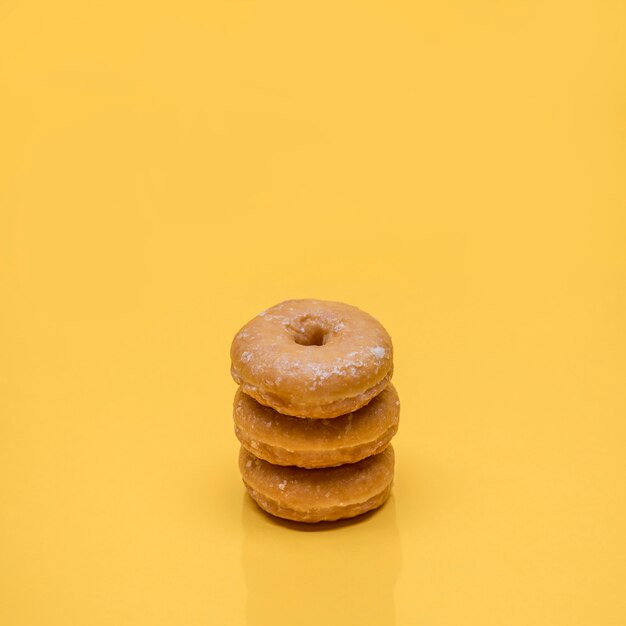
[316, 495]
[285, 440]
[312, 358]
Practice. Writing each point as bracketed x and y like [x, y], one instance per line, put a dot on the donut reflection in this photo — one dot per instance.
[327, 573]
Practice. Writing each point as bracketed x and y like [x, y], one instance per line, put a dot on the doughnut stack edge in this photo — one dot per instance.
[315, 410]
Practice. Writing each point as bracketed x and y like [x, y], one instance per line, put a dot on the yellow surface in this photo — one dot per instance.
[167, 170]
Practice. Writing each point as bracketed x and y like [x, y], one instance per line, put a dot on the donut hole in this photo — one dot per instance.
[315, 337]
[309, 332]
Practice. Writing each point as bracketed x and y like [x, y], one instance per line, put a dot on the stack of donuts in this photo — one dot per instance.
[315, 410]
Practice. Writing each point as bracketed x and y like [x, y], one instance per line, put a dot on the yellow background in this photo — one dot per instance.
[167, 170]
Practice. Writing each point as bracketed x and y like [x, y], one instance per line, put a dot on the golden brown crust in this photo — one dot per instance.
[285, 440]
[312, 358]
[315, 495]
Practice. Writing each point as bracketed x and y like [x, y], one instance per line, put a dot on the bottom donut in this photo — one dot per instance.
[318, 495]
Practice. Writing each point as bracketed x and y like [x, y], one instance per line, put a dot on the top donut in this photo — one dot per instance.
[312, 358]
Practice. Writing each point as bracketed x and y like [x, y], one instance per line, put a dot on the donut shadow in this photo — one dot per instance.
[324, 573]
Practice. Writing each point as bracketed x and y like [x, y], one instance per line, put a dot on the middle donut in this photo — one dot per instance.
[311, 443]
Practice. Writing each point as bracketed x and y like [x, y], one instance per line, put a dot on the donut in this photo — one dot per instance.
[285, 440]
[312, 358]
[316, 495]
